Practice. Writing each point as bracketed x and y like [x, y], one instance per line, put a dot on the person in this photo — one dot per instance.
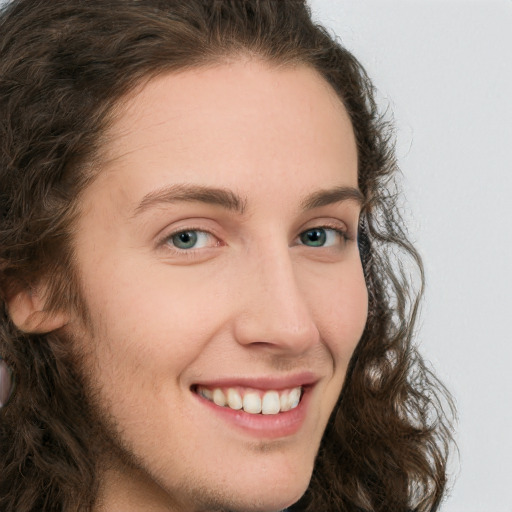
[201, 267]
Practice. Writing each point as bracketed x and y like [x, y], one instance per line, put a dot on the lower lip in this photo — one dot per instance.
[269, 426]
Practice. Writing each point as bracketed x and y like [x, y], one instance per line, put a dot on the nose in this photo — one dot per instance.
[274, 310]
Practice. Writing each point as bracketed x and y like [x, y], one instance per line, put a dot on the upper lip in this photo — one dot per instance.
[264, 382]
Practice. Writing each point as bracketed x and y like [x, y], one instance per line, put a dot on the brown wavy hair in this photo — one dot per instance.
[64, 67]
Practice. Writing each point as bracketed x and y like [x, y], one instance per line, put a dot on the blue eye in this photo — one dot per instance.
[189, 239]
[321, 237]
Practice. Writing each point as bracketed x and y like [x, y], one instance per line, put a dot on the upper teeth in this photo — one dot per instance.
[252, 400]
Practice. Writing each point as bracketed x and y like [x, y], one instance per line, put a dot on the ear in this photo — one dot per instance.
[27, 311]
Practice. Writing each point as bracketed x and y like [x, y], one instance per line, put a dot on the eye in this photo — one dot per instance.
[322, 237]
[190, 239]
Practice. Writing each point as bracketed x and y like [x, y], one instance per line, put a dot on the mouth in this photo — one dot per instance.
[266, 408]
[252, 400]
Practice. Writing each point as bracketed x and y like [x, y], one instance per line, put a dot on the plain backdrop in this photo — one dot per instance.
[444, 67]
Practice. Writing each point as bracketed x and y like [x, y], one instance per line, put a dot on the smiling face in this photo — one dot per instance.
[219, 263]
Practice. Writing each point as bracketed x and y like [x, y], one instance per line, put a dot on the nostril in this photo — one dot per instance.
[261, 344]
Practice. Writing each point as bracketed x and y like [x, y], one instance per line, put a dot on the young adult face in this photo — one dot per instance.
[217, 250]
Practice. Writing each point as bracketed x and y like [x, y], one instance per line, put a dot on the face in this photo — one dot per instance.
[218, 256]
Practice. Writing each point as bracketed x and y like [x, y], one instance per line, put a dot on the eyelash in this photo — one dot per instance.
[166, 241]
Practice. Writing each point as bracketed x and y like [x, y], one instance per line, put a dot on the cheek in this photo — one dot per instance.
[150, 322]
[341, 307]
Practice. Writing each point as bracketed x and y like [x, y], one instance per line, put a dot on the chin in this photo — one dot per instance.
[264, 488]
[272, 499]
[274, 489]
[267, 500]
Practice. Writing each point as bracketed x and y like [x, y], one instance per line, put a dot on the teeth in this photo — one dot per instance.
[294, 398]
[234, 399]
[206, 393]
[270, 403]
[285, 401]
[219, 398]
[252, 401]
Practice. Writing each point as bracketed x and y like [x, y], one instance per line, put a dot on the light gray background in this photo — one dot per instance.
[445, 68]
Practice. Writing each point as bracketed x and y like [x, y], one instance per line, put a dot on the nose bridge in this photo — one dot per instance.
[274, 310]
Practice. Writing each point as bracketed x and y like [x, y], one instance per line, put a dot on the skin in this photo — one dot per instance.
[252, 299]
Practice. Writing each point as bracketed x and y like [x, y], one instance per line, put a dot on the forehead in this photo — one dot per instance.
[240, 124]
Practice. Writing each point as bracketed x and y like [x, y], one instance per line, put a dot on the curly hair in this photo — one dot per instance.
[64, 67]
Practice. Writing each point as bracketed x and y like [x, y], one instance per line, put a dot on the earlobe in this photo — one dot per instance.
[26, 309]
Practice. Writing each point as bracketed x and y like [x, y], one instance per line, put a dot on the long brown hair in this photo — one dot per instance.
[64, 66]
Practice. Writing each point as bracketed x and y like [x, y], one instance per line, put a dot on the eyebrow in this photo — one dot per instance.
[331, 196]
[193, 193]
[229, 200]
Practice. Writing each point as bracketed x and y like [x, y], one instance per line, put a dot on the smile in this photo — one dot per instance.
[251, 400]
[265, 407]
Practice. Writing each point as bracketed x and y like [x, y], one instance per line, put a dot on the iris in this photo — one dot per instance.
[314, 237]
[185, 239]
